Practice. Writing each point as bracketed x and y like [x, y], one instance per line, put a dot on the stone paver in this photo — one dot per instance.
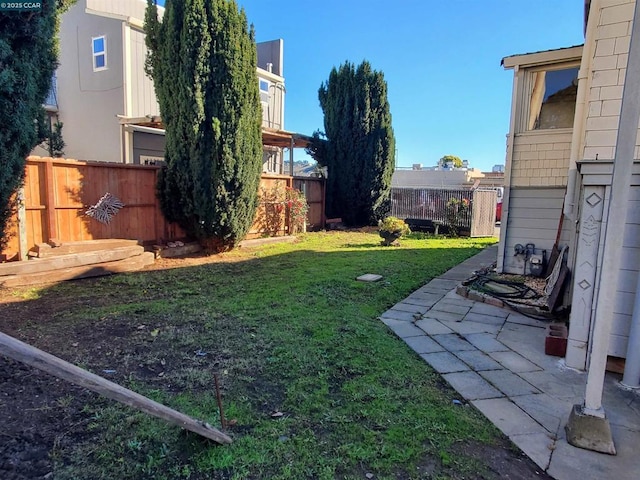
[484, 318]
[508, 417]
[402, 328]
[456, 273]
[528, 341]
[537, 446]
[409, 307]
[453, 297]
[465, 328]
[478, 347]
[423, 344]
[442, 284]
[524, 320]
[423, 299]
[453, 342]
[484, 309]
[486, 342]
[398, 315]
[558, 384]
[569, 462]
[509, 383]
[471, 385]
[445, 362]
[514, 362]
[432, 326]
[550, 412]
[478, 360]
[444, 306]
[444, 316]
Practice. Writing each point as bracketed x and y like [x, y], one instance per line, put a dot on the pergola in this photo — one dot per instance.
[270, 136]
[283, 139]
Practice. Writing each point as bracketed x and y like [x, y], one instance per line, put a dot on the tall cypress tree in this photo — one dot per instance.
[360, 146]
[28, 56]
[203, 59]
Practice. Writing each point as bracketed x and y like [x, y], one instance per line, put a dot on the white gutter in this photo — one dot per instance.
[615, 226]
[584, 85]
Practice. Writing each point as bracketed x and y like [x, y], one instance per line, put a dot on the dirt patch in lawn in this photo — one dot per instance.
[41, 415]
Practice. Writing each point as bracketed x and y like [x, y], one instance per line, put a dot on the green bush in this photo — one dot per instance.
[391, 229]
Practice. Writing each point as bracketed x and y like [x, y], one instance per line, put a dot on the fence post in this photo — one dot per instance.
[23, 247]
[50, 201]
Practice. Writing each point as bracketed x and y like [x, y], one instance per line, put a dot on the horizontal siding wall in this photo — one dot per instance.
[534, 214]
[627, 281]
[143, 95]
[540, 158]
[607, 75]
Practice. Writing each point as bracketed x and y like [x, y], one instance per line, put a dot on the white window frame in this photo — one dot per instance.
[102, 53]
[527, 89]
[266, 82]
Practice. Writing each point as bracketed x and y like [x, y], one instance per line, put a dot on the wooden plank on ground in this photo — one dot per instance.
[95, 270]
[44, 250]
[69, 261]
[25, 353]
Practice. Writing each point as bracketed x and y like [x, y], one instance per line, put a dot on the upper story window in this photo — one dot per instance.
[551, 95]
[99, 50]
[264, 90]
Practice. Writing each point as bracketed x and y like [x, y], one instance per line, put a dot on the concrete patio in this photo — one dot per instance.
[494, 357]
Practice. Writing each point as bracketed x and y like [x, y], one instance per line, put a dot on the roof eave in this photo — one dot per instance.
[546, 57]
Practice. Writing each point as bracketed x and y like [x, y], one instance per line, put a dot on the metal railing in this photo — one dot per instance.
[441, 206]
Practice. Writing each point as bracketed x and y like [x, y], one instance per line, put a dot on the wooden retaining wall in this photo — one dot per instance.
[57, 193]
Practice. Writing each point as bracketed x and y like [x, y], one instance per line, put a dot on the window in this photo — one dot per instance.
[552, 98]
[264, 90]
[99, 50]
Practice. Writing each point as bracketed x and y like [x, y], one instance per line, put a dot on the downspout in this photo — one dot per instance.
[515, 95]
[577, 136]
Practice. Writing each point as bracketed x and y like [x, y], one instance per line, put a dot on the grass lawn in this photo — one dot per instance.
[287, 329]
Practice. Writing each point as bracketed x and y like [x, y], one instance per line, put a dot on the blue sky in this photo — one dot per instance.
[441, 60]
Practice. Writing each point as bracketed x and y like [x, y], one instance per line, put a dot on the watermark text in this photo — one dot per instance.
[20, 6]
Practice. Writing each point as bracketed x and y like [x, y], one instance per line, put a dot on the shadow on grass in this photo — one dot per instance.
[287, 328]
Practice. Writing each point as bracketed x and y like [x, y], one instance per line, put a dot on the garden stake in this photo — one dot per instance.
[223, 422]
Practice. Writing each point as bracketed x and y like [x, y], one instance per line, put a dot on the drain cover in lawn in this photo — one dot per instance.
[369, 277]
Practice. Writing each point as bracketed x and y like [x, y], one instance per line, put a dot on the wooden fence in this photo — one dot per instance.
[314, 191]
[58, 192]
[469, 212]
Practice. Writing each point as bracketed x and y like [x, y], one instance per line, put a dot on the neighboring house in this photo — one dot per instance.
[106, 101]
[420, 177]
[561, 154]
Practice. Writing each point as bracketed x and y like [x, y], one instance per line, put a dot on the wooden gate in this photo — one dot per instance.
[314, 191]
[483, 213]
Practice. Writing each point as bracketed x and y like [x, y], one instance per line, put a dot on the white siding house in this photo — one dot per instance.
[106, 101]
[561, 153]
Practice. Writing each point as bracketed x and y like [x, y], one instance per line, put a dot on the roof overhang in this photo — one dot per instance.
[270, 136]
[284, 139]
[545, 57]
[267, 75]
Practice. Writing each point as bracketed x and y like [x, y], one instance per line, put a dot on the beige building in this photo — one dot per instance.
[572, 153]
[418, 177]
[106, 101]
